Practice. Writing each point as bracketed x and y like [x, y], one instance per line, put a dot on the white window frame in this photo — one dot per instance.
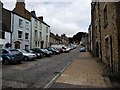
[27, 25]
[21, 23]
[21, 34]
[36, 23]
[40, 25]
[27, 36]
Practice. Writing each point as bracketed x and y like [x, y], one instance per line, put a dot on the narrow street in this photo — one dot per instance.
[36, 74]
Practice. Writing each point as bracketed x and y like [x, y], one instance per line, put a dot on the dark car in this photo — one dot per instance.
[11, 56]
[46, 52]
[38, 54]
[38, 50]
[54, 51]
[43, 51]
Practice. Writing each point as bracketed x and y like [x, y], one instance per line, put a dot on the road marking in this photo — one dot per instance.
[50, 83]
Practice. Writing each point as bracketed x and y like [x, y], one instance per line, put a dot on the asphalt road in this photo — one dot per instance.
[36, 74]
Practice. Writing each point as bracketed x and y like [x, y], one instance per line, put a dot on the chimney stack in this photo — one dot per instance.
[33, 13]
[41, 18]
[20, 3]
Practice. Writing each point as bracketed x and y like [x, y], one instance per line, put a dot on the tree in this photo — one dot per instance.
[78, 36]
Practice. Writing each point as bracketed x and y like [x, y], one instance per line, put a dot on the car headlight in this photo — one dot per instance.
[38, 54]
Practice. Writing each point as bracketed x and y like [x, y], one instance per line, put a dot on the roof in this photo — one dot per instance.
[40, 20]
[6, 20]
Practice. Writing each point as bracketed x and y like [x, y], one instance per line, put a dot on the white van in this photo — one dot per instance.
[63, 47]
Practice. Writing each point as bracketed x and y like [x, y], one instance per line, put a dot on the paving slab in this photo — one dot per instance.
[84, 71]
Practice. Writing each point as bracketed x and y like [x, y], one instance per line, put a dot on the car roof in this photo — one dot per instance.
[8, 49]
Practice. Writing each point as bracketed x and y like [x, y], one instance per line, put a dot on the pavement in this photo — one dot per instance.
[83, 72]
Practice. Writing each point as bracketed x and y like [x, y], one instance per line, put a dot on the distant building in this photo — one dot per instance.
[58, 39]
[65, 39]
[52, 39]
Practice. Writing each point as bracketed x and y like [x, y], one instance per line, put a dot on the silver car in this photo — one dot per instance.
[28, 56]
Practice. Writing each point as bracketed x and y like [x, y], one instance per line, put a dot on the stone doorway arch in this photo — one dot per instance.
[17, 44]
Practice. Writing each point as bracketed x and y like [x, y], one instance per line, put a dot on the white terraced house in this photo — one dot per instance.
[40, 32]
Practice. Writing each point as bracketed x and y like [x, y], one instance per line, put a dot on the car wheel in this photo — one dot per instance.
[5, 61]
[25, 58]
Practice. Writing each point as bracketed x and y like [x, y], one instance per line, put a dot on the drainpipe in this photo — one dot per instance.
[100, 31]
[12, 29]
[111, 53]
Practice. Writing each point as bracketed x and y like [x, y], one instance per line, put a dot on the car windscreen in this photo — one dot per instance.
[14, 51]
[29, 51]
[45, 50]
[24, 51]
[42, 50]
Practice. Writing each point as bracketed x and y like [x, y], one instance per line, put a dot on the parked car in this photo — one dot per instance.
[11, 56]
[37, 50]
[66, 49]
[46, 52]
[28, 56]
[54, 51]
[60, 47]
[38, 54]
[0, 58]
[82, 49]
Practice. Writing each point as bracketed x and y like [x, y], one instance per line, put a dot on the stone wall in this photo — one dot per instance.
[107, 38]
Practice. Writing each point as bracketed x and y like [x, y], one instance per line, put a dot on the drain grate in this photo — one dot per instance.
[57, 72]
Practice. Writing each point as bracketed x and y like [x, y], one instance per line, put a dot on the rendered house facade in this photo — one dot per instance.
[21, 26]
[40, 32]
[21, 32]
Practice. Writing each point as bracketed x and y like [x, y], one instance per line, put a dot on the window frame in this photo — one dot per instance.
[40, 25]
[36, 23]
[27, 25]
[27, 36]
[21, 23]
[21, 34]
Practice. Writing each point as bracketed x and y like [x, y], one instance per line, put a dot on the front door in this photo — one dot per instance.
[17, 45]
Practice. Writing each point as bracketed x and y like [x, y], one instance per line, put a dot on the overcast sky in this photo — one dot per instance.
[63, 16]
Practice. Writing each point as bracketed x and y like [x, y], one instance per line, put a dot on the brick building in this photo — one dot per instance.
[105, 23]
